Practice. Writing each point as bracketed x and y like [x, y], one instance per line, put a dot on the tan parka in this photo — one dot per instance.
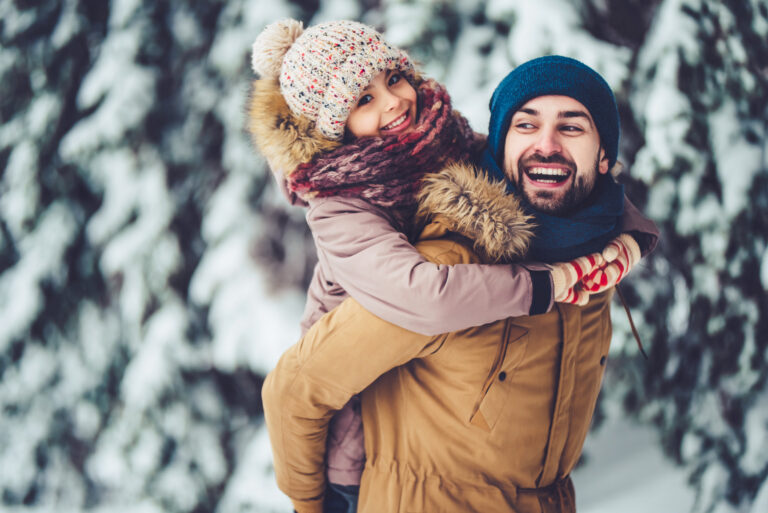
[487, 419]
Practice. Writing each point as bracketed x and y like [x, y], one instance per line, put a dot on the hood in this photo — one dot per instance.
[463, 200]
[284, 139]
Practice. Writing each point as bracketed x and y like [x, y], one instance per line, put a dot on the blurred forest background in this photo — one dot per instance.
[151, 275]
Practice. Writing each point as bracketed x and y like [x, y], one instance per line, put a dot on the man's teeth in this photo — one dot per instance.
[548, 171]
[399, 121]
[548, 174]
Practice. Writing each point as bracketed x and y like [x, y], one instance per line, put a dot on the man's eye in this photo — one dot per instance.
[571, 128]
[524, 126]
[364, 99]
[394, 79]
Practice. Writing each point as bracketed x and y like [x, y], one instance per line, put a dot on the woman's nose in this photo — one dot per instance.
[392, 101]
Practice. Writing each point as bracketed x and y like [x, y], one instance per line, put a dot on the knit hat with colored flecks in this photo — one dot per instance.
[324, 69]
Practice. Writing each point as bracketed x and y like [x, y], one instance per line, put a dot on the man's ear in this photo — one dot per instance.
[603, 165]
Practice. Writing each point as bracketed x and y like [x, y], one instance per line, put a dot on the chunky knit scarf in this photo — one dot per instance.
[587, 229]
[386, 170]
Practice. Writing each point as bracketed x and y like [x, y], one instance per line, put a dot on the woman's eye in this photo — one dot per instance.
[524, 126]
[364, 99]
[394, 79]
[571, 128]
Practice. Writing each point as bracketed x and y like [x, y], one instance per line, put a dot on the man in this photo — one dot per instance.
[492, 418]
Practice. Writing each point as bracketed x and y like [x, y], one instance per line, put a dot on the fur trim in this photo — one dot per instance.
[286, 140]
[469, 203]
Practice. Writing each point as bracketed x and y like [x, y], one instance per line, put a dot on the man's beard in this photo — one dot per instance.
[557, 204]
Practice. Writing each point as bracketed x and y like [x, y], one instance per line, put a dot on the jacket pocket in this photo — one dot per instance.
[497, 389]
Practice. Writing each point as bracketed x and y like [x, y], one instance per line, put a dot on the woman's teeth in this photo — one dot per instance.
[548, 174]
[396, 123]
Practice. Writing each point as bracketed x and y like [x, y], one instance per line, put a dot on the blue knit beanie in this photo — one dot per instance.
[554, 75]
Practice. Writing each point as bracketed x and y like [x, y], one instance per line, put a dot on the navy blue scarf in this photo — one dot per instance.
[580, 232]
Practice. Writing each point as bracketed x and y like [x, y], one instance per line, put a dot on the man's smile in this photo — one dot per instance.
[547, 176]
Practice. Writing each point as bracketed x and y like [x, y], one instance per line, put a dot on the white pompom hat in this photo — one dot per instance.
[323, 69]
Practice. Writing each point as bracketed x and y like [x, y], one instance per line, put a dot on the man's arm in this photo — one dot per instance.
[343, 353]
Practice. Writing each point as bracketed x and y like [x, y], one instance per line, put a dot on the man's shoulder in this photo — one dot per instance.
[466, 201]
[449, 249]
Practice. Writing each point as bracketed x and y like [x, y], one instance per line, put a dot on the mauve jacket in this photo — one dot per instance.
[361, 254]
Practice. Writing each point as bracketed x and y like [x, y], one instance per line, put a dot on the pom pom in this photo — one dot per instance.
[272, 45]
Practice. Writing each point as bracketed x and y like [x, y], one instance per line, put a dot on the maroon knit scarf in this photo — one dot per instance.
[386, 171]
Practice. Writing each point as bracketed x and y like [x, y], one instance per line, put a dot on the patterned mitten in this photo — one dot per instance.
[621, 255]
[576, 295]
[566, 274]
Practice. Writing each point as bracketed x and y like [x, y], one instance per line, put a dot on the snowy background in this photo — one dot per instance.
[150, 274]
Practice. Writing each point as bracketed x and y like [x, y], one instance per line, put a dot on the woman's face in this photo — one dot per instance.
[386, 107]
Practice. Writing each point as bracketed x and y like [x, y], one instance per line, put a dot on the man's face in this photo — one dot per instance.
[552, 153]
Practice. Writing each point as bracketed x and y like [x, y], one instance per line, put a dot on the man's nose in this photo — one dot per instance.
[548, 143]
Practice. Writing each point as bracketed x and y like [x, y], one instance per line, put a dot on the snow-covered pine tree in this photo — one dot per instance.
[137, 318]
[700, 98]
[143, 248]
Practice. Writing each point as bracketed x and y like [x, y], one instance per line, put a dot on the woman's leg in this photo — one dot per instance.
[340, 499]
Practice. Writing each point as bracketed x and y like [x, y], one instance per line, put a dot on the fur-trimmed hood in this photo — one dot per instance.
[462, 199]
[285, 140]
